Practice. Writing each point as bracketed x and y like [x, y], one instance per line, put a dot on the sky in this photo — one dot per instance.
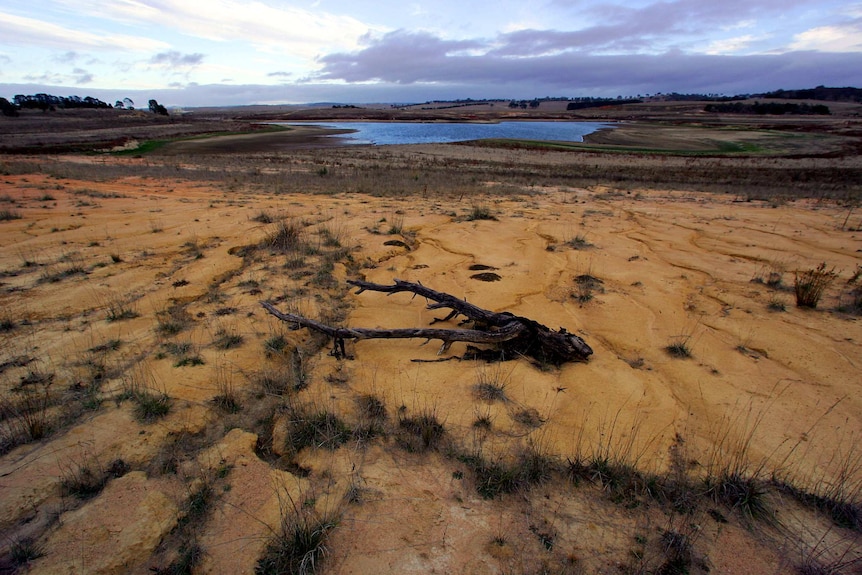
[236, 52]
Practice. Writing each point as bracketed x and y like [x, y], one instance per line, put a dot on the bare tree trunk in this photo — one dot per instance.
[511, 335]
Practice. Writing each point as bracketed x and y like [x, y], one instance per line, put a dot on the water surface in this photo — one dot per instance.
[385, 133]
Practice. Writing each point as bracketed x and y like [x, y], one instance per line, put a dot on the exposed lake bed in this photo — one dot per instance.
[128, 277]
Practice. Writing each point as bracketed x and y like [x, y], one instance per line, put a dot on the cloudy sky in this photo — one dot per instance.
[222, 52]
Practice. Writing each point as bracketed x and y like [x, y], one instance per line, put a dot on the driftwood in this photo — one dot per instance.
[510, 335]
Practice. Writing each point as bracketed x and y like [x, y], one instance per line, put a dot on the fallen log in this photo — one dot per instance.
[509, 335]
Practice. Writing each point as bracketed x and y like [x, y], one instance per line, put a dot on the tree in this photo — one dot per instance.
[157, 108]
[8, 108]
[119, 105]
[129, 103]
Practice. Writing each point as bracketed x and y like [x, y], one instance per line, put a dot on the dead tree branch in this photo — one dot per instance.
[509, 334]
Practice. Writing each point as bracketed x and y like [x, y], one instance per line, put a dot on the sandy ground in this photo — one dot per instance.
[779, 390]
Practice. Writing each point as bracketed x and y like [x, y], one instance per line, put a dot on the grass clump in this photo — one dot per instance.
[531, 466]
[679, 347]
[150, 405]
[420, 432]
[119, 310]
[23, 551]
[770, 274]
[585, 286]
[7, 324]
[184, 352]
[188, 557]
[776, 304]
[7, 215]
[299, 546]
[579, 242]
[372, 417]
[493, 478]
[190, 360]
[620, 479]
[285, 236]
[396, 224]
[491, 384]
[26, 417]
[479, 212]
[732, 479]
[810, 285]
[744, 493]
[263, 217]
[312, 426]
[227, 399]
[225, 340]
[173, 319]
[275, 345]
[851, 301]
[83, 481]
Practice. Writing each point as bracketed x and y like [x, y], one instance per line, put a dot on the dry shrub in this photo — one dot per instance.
[810, 285]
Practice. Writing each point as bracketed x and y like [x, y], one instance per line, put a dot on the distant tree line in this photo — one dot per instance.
[49, 102]
[584, 103]
[46, 102]
[770, 108]
[677, 97]
[822, 93]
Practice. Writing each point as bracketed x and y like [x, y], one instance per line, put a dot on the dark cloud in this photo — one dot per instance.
[677, 16]
[542, 62]
[68, 57]
[81, 76]
[420, 68]
[174, 59]
[653, 28]
[399, 57]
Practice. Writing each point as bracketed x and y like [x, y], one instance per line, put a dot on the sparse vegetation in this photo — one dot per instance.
[150, 406]
[263, 217]
[83, 480]
[585, 286]
[26, 416]
[226, 340]
[770, 274]
[227, 399]
[310, 425]
[480, 212]
[120, 309]
[7, 215]
[776, 304]
[579, 242]
[679, 347]
[173, 319]
[851, 299]
[396, 224]
[420, 432]
[491, 384]
[275, 344]
[23, 551]
[287, 236]
[299, 545]
[811, 284]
